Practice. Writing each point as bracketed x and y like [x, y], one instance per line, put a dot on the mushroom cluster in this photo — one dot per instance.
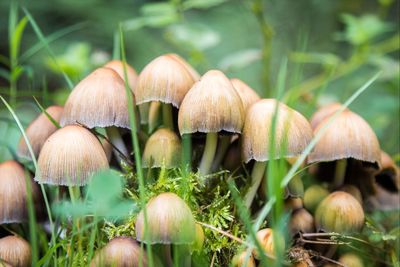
[231, 128]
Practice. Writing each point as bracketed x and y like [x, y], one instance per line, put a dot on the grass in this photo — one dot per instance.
[91, 231]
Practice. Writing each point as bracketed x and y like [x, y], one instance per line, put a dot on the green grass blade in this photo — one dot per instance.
[32, 219]
[55, 123]
[51, 38]
[43, 40]
[135, 141]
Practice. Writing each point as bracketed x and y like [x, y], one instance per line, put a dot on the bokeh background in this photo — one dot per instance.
[331, 47]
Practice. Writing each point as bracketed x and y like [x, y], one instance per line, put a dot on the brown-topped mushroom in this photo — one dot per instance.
[15, 251]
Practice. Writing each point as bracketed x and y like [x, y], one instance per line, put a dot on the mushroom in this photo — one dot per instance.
[246, 93]
[13, 193]
[99, 100]
[166, 79]
[70, 156]
[349, 136]
[292, 134]
[388, 175]
[120, 252]
[169, 222]
[211, 106]
[15, 251]
[339, 212]
[38, 131]
[313, 196]
[240, 260]
[323, 113]
[351, 260]
[163, 149]
[268, 239]
[301, 221]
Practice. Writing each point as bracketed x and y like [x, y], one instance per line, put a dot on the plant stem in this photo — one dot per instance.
[340, 173]
[167, 259]
[256, 177]
[208, 154]
[154, 114]
[144, 113]
[221, 151]
[116, 139]
[167, 116]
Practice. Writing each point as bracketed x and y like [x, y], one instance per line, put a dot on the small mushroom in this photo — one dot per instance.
[15, 251]
[246, 93]
[70, 156]
[38, 131]
[211, 106]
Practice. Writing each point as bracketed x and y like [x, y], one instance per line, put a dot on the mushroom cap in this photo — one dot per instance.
[164, 79]
[195, 75]
[169, 219]
[388, 176]
[323, 113]
[246, 93]
[339, 212]
[99, 100]
[351, 260]
[301, 221]
[120, 252]
[313, 196]
[13, 193]
[349, 136]
[16, 251]
[292, 131]
[239, 260]
[212, 105]
[38, 131]
[118, 67]
[163, 149]
[265, 238]
[70, 156]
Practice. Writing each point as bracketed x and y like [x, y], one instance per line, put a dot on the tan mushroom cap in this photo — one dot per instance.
[118, 67]
[70, 156]
[195, 75]
[292, 132]
[212, 105]
[169, 219]
[246, 93]
[38, 131]
[120, 252]
[16, 251]
[163, 149]
[323, 113]
[99, 100]
[13, 193]
[389, 172]
[349, 136]
[164, 79]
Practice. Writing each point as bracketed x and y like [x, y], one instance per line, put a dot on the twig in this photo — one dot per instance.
[318, 255]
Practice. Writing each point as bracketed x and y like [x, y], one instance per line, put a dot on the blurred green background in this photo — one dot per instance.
[332, 47]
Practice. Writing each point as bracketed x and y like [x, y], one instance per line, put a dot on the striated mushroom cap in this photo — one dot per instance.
[165, 79]
[246, 93]
[99, 100]
[195, 75]
[339, 212]
[292, 131]
[13, 193]
[120, 252]
[38, 131]
[265, 238]
[239, 260]
[163, 149]
[388, 176]
[301, 221]
[169, 219]
[70, 156]
[323, 113]
[15, 251]
[212, 105]
[118, 67]
[349, 136]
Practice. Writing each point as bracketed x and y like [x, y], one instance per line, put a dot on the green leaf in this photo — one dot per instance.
[201, 4]
[16, 38]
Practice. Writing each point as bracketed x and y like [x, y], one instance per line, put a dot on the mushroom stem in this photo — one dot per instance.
[116, 139]
[167, 116]
[221, 151]
[144, 113]
[154, 115]
[256, 177]
[340, 173]
[208, 154]
[167, 255]
[182, 256]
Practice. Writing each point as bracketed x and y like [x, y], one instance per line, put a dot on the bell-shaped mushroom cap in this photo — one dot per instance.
[120, 252]
[118, 67]
[388, 175]
[13, 193]
[195, 75]
[38, 131]
[292, 131]
[265, 238]
[349, 136]
[164, 79]
[99, 100]
[169, 221]
[323, 113]
[212, 105]
[246, 93]
[241, 259]
[70, 156]
[163, 149]
[15, 251]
